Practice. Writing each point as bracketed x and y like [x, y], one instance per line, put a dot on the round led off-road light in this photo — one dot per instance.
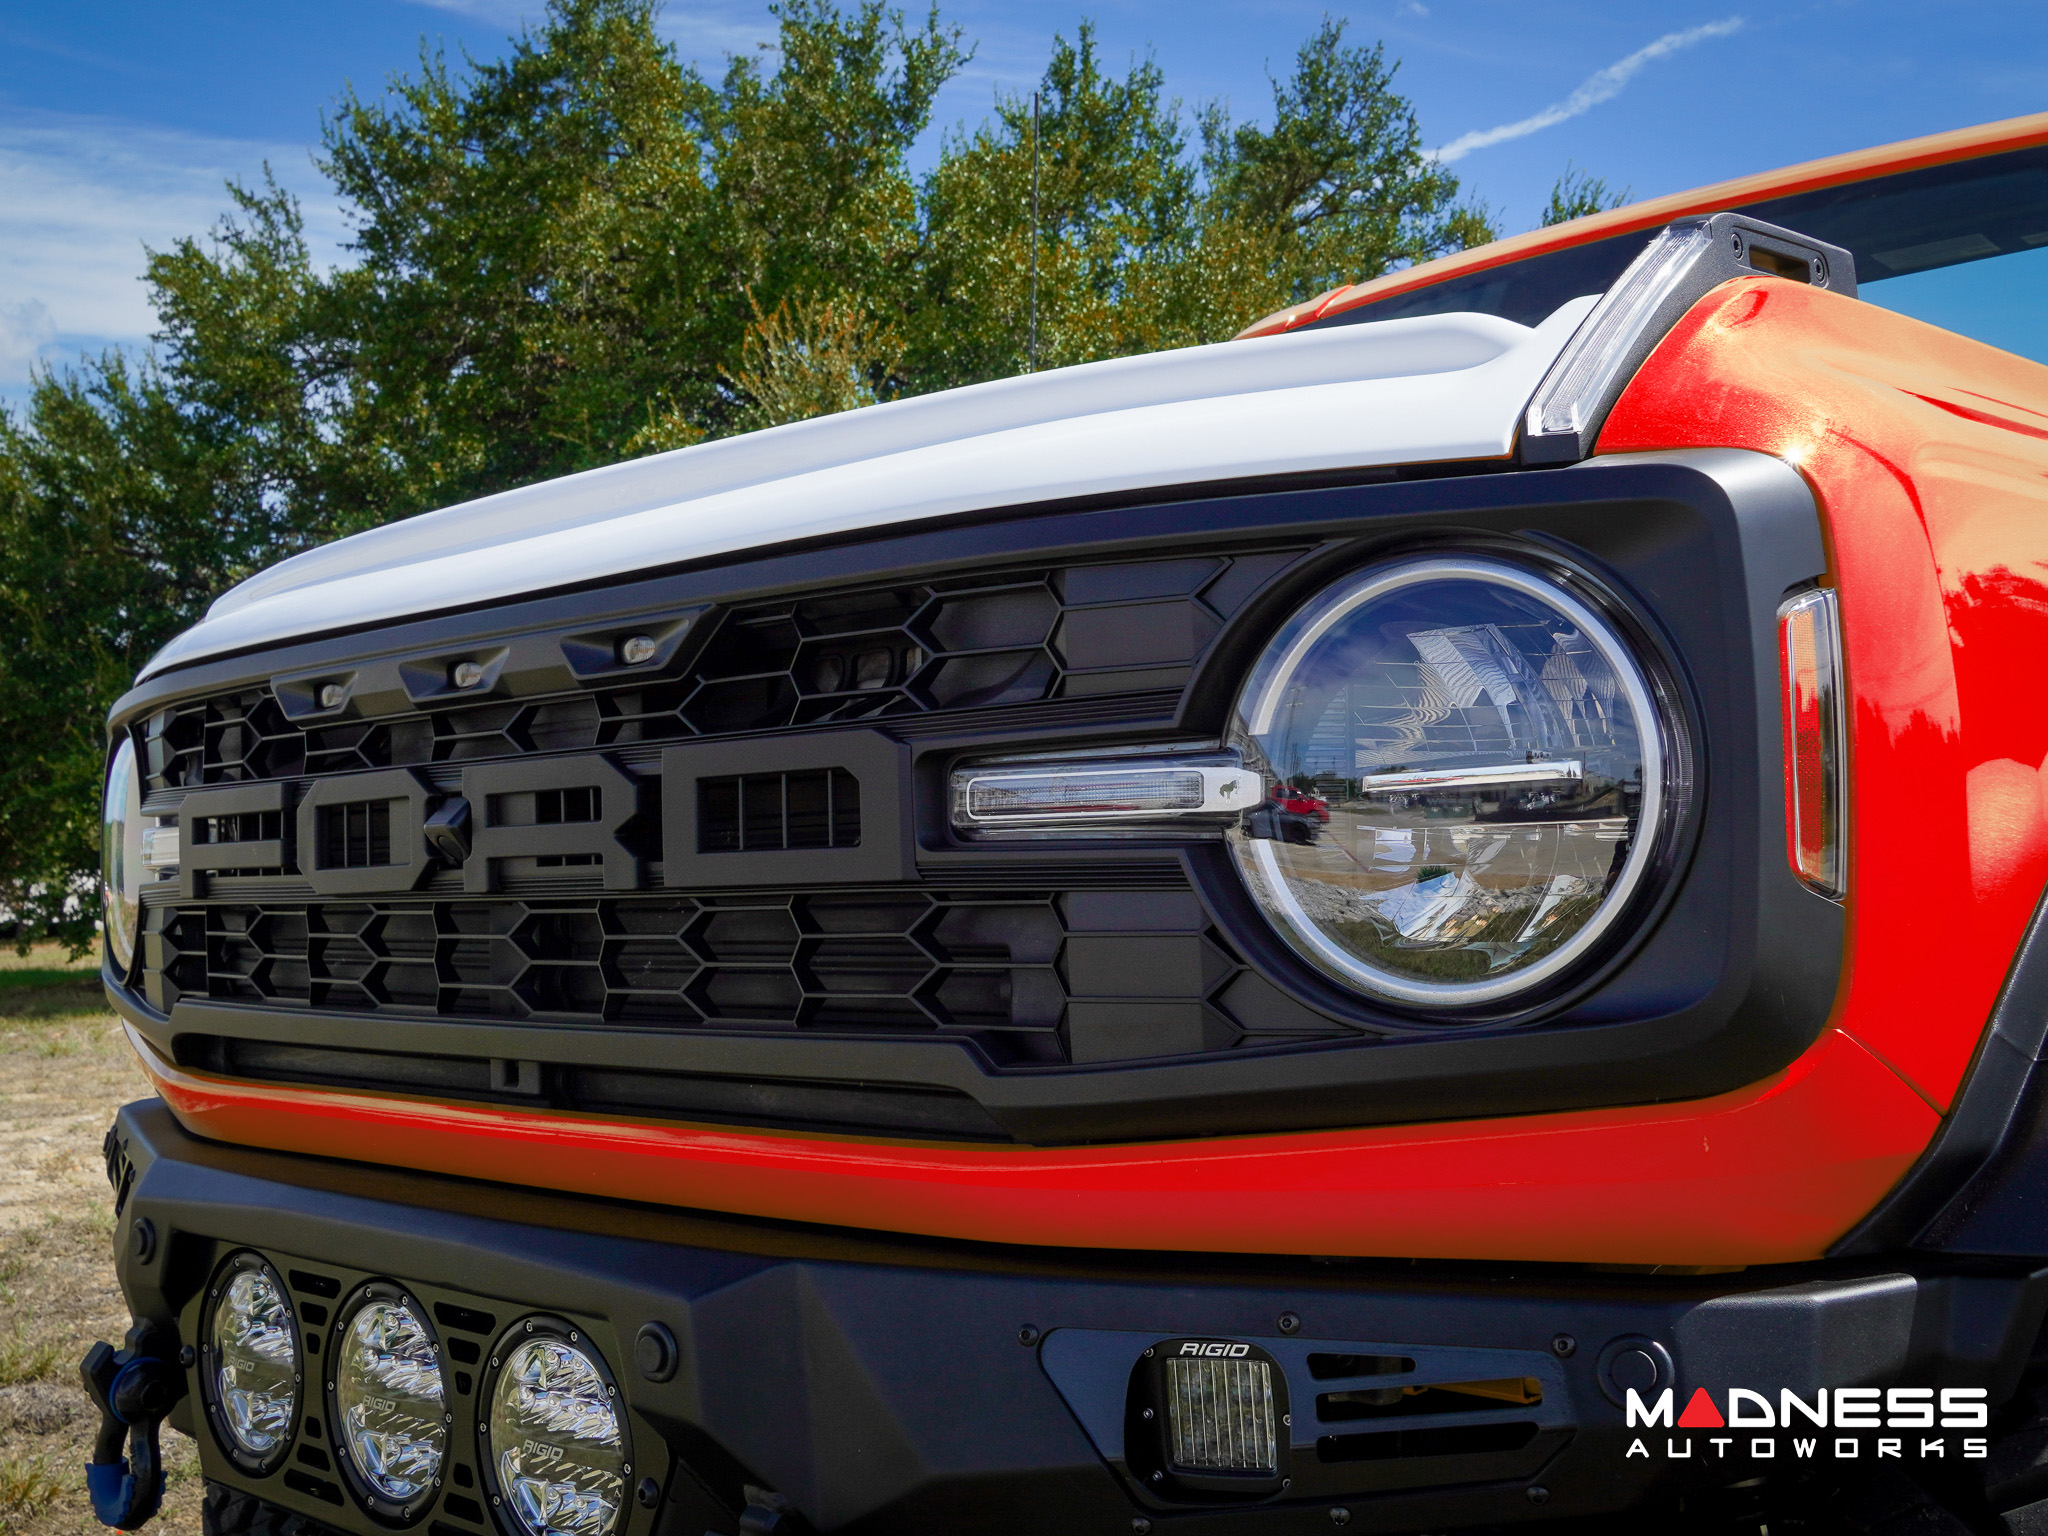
[387, 1402]
[554, 1448]
[1465, 769]
[250, 1380]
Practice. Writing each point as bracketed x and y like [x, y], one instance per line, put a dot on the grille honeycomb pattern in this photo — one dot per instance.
[878, 653]
[1029, 977]
[986, 967]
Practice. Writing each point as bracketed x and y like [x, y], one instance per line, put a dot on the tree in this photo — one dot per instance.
[1340, 177]
[1117, 197]
[584, 250]
[1578, 193]
[812, 357]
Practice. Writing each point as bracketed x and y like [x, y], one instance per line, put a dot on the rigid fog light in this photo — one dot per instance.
[1216, 1415]
[250, 1382]
[1219, 1416]
[387, 1402]
[1465, 773]
[554, 1446]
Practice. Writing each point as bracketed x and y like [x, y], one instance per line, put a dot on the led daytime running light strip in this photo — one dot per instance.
[1080, 793]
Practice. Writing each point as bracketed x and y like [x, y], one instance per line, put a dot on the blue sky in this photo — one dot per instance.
[120, 120]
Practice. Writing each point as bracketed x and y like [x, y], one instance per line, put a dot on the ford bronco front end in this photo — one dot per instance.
[1424, 919]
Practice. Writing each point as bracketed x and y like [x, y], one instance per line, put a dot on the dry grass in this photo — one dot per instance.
[64, 1070]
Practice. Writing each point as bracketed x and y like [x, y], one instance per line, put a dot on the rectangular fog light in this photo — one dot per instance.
[1220, 1416]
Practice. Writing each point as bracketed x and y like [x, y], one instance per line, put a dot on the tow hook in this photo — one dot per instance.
[133, 1388]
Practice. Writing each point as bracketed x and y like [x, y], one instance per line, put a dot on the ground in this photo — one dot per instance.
[64, 1070]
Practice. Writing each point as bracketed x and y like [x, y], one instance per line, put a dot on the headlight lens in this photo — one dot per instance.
[253, 1372]
[1465, 772]
[121, 855]
[389, 1406]
[555, 1447]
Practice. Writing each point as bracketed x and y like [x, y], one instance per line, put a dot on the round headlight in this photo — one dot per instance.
[554, 1449]
[386, 1402]
[1465, 770]
[121, 855]
[251, 1380]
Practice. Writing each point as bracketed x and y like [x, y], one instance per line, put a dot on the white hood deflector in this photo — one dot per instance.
[1431, 388]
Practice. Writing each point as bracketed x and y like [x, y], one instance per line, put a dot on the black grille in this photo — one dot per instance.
[1028, 976]
[356, 835]
[1074, 633]
[766, 811]
[566, 849]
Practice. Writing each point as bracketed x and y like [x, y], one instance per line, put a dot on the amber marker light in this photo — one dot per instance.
[1810, 667]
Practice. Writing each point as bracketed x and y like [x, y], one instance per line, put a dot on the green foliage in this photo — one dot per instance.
[1578, 193]
[1339, 179]
[584, 250]
[812, 357]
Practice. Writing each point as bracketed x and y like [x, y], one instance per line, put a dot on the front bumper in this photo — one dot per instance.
[902, 1385]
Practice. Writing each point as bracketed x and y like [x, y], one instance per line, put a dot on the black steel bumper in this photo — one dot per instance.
[910, 1386]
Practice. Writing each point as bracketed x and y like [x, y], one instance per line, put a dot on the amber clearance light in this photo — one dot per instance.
[1810, 665]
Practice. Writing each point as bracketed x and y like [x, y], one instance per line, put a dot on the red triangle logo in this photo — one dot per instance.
[1701, 1413]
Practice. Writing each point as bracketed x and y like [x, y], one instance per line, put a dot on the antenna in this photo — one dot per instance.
[1033, 368]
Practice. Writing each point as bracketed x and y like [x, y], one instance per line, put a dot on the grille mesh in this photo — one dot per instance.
[1036, 966]
[1030, 976]
[895, 653]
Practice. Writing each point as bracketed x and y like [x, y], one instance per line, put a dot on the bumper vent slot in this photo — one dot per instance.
[1450, 1440]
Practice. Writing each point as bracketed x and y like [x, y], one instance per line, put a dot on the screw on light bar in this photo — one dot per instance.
[1092, 796]
[1810, 667]
[1684, 262]
[1473, 778]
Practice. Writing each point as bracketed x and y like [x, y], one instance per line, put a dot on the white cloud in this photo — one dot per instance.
[25, 329]
[84, 196]
[1412, 8]
[1602, 86]
[511, 14]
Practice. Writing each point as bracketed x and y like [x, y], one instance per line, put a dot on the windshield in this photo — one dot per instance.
[1961, 246]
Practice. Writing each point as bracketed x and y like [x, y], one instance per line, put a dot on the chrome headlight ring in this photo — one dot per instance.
[1470, 772]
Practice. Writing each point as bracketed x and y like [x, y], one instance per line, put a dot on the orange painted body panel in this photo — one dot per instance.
[1772, 1173]
[1928, 453]
[1835, 170]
